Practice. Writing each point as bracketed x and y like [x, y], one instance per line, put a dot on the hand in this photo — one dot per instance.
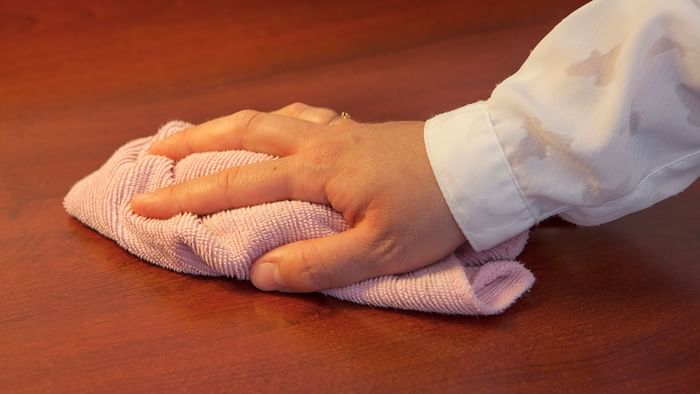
[377, 175]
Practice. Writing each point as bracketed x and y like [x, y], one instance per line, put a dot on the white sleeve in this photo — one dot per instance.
[602, 120]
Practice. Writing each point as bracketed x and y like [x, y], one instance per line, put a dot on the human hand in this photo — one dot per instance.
[377, 175]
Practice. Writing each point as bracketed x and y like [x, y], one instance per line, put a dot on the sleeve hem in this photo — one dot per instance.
[474, 176]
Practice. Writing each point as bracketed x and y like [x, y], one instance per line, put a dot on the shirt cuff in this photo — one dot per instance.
[475, 177]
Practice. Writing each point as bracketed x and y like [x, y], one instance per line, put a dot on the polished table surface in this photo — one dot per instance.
[615, 308]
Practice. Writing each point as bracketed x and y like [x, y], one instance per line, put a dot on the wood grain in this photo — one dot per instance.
[615, 307]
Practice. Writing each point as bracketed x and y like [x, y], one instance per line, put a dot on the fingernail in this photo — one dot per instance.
[266, 277]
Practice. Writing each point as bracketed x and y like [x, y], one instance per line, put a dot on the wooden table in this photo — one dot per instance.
[615, 307]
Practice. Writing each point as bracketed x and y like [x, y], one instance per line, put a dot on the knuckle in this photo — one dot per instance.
[176, 196]
[171, 192]
[312, 273]
[296, 109]
[246, 123]
[186, 138]
[225, 182]
[323, 116]
[247, 119]
[309, 278]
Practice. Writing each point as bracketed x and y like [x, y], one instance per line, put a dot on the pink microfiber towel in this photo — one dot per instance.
[227, 243]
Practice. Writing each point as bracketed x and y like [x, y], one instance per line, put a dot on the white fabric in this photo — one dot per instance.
[602, 120]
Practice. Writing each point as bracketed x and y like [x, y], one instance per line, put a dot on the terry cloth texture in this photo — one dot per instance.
[227, 243]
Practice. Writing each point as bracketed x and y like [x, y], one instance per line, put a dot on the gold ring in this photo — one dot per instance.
[343, 115]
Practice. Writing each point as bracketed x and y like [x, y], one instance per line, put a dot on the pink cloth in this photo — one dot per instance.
[228, 242]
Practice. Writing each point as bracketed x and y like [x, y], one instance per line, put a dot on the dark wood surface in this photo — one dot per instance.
[615, 307]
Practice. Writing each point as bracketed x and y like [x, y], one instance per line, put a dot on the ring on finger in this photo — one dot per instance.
[343, 116]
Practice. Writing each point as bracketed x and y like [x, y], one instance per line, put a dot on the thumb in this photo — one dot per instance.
[317, 264]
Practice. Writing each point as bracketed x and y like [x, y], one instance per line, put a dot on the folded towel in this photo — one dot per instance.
[227, 243]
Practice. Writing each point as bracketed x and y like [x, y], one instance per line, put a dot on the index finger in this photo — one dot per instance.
[236, 187]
